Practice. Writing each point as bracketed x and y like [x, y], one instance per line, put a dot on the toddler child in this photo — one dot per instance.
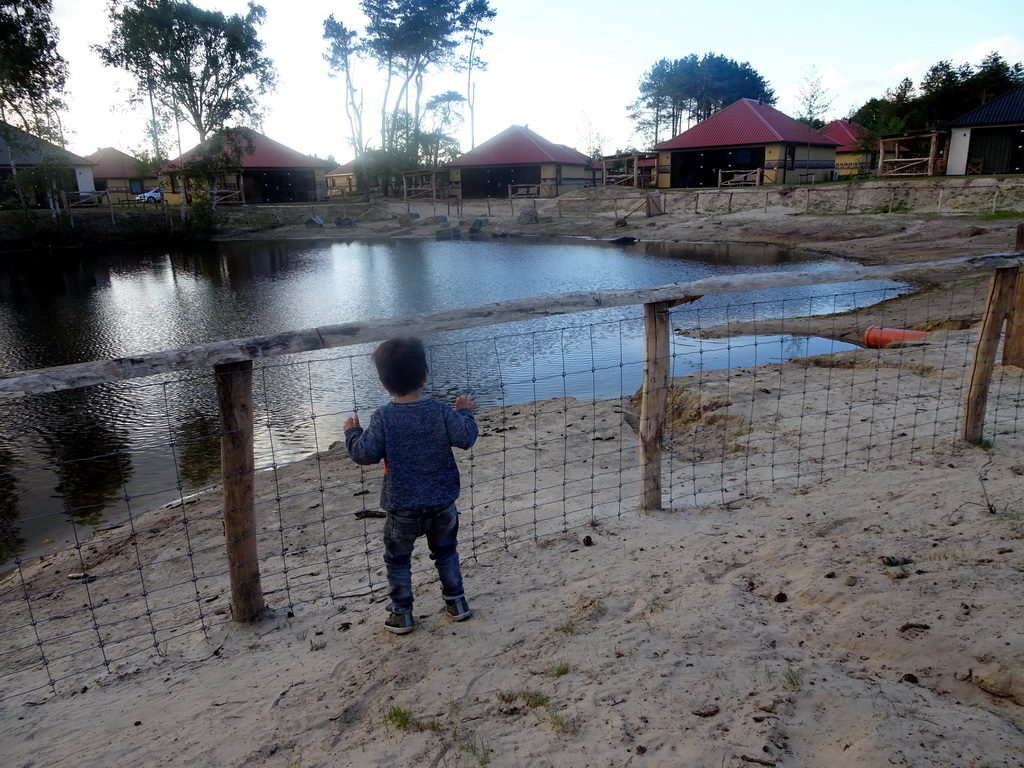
[414, 436]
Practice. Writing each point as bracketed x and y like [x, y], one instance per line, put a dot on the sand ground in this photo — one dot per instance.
[767, 628]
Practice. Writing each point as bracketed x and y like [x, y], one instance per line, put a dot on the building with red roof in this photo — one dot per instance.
[342, 180]
[120, 175]
[853, 156]
[262, 170]
[747, 142]
[518, 162]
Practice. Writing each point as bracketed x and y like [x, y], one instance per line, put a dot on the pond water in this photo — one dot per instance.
[90, 455]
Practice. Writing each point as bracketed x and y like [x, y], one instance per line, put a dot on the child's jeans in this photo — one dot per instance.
[401, 529]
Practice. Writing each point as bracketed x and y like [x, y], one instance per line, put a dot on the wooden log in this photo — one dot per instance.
[1000, 295]
[21, 383]
[1013, 345]
[654, 400]
[238, 466]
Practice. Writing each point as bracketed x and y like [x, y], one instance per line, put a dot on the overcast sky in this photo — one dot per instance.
[567, 68]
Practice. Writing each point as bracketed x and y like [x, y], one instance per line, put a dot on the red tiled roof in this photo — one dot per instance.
[744, 122]
[266, 153]
[849, 135]
[112, 163]
[518, 145]
[344, 170]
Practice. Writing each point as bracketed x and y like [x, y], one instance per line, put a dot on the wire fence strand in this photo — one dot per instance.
[131, 570]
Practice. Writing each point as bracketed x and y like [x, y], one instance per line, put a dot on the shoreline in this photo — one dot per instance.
[868, 240]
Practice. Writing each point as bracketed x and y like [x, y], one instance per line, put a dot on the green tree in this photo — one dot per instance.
[32, 72]
[944, 93]
[815, 101]
[477, 13]
[407, 39]
[202, 65]
[692, 88]
[442, 115]
[341, 53]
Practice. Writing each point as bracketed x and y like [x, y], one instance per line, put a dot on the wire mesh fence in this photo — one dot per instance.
[767, 401]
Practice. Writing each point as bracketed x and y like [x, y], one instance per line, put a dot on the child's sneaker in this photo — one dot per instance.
[457, 608]
[399, 623]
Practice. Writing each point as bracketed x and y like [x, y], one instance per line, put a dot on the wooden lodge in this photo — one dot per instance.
[518, 163]
[989, 139]
[854, 156]
[266, 171]
[342, 180]
[746, 144]
[121, 176]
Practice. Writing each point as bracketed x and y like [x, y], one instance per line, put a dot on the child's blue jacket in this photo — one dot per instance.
[415, 442]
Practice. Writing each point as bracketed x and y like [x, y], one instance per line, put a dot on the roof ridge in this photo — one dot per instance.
[750, 105]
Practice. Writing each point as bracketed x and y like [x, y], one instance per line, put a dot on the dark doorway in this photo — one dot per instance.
[1001, 150]
[495, 181]
[278, 186]
[699, 168]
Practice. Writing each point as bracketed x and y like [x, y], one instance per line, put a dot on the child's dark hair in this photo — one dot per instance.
[401, 365]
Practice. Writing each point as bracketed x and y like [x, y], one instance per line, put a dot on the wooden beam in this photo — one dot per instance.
[21, 383]
[1000, 295]
[238, 467]
[654, 400]
[1013, 345]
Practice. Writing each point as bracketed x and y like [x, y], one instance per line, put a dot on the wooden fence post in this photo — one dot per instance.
[1000, 294]
[238, 467]
[654, 399]
[1013, 345]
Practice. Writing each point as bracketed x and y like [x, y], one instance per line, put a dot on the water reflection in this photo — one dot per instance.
[94, 454]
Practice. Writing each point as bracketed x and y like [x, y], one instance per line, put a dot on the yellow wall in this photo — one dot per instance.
[341, 183]
[119, 190]
[851, 163]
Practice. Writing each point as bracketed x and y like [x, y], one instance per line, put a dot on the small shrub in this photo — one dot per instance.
[560, 668]
[399, 717]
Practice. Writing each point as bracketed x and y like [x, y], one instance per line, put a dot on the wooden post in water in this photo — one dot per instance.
[238, 467]
[1013, 345]
[654, 400]
[1000, 295]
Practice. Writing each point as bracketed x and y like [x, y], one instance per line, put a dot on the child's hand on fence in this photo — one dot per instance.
[350, 422]
[465, 401]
